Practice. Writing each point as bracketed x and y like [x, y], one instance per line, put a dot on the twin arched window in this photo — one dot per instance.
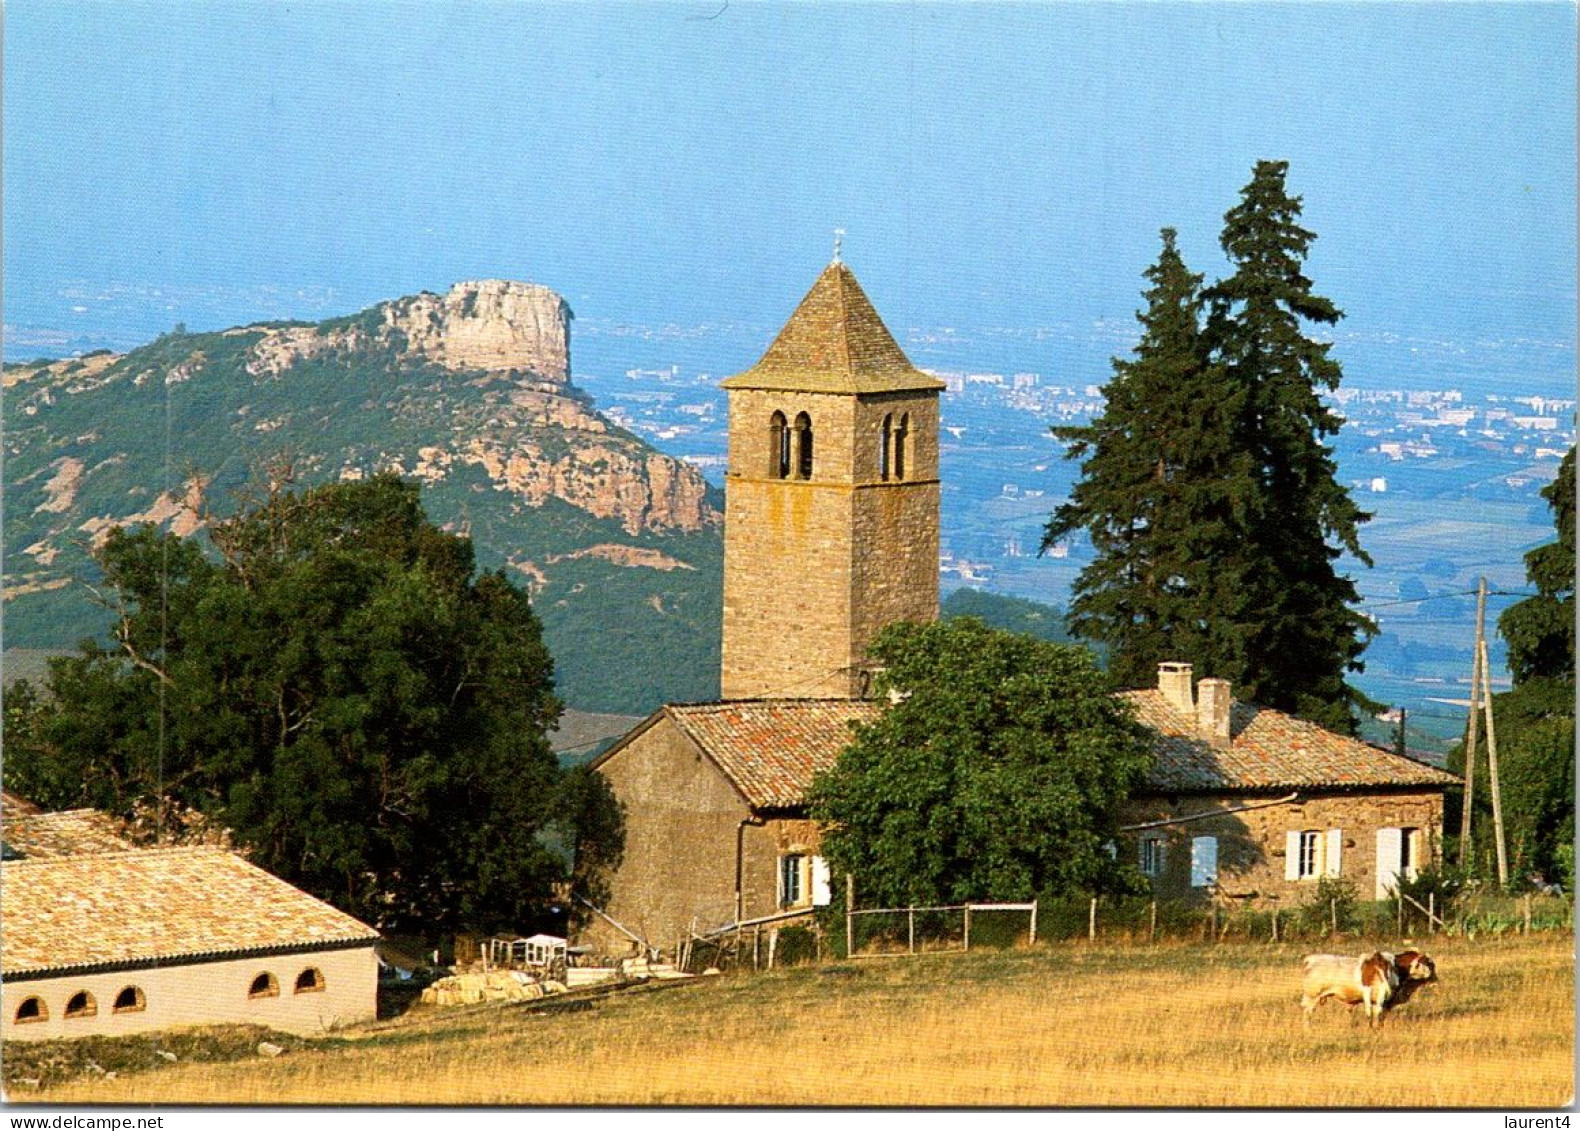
[891, 456]
[789, 447]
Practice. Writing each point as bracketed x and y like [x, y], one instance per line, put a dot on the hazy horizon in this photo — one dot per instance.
[994, 167]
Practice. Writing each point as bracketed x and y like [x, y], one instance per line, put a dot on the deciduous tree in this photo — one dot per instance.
[996, 773]
[337, 688]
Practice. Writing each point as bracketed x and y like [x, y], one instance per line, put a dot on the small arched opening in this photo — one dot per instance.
[883, 447]
[900, 433]
[310, 981]
[778, 447]
[33, 1009]
[264, 985]
[803, 446]
[81, 1004]
[129, 1000]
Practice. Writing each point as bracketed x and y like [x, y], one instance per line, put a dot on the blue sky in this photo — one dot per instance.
[993, 165]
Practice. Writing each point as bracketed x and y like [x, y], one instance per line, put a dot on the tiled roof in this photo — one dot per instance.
[13, 806]
[834, 343]
[75, 832]
[1267, 750]
[169, 903]
[771, 748]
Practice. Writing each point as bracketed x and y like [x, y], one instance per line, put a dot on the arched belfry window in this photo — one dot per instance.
[883, 449]
[900, 434]
[778, 447]
[803, 446]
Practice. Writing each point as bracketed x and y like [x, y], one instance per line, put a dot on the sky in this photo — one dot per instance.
[992, 165]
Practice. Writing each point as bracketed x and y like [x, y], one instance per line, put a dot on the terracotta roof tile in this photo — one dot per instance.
[74, 832]
[168, 903]
[1267, 750]
[771, 748]
[13, 806]
[835, 342]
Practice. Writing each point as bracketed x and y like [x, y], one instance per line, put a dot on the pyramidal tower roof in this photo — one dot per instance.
[834, 343]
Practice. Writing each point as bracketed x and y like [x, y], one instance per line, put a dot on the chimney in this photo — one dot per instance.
[1174, 683]
[1213, 703]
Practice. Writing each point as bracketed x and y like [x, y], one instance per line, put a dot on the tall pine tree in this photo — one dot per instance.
[1162, 496]
[1207, 489]
[1306, 636]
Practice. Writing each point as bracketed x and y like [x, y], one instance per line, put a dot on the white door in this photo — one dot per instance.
[1389, 854]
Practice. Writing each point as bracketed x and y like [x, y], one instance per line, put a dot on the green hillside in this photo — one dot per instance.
[627, 582]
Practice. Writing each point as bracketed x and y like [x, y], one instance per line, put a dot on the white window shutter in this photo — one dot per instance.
[1335, 851]
[1203, 861]
[1389, 844]
[1292, 855]
[822, 892]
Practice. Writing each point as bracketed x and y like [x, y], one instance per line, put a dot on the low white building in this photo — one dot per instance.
[124, 942]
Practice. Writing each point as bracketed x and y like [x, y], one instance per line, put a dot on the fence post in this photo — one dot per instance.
[1527, 913]
[850, 914]
[1091, 921]
[1400, 901]
[910, 925]
[1034, 922]
[1431, 911]
[1333, 914]
[1152, 923]
[968, 926]
[1212, 924]
[773, 945]
[1275, 922]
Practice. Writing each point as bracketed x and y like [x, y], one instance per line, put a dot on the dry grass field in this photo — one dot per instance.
[1063, 1025]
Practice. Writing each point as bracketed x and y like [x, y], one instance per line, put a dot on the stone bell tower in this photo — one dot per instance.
[831, 500]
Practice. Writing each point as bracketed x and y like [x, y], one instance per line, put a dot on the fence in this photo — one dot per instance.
[863, 933]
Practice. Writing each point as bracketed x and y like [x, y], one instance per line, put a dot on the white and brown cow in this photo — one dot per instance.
[1379, 981]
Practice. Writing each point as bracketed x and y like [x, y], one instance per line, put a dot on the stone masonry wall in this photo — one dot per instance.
[681, 817]
[813, 569]
[1251, 845]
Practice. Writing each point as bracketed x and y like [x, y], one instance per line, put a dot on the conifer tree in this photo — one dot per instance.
[1305, 636]
[1207, 489]
[1162, 495]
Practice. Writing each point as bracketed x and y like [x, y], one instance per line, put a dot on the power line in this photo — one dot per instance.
[1375, 603]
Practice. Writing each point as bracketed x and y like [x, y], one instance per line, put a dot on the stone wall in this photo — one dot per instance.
[1251, 845]
[207, 993]
[681, 817]
[813, 569]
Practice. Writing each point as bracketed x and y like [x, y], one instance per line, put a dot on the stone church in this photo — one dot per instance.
[830, 534]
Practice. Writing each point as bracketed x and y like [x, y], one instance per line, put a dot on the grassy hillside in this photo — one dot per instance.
[630, 606]
[1060, 1025]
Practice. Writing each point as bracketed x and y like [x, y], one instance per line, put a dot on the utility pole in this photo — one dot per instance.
[1481, 700]
[1474, 725]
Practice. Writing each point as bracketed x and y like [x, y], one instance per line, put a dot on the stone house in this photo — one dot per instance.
[1247, 803]
[716, 826]
[122, 942]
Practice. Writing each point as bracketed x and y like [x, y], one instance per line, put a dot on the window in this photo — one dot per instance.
[1203, 861]
[311, 981]
[1310, 853]
[803, 446]
[1310, 862]
[1399, 855]
[264, 985]
[790, 880]
[883, 450]
[899, 445]
[778, 447]
[1152, 856]
[129, 1000]
[81, 1005]
[33, 1009]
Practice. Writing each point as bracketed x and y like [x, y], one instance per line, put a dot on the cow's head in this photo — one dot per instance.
[1414, 966]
